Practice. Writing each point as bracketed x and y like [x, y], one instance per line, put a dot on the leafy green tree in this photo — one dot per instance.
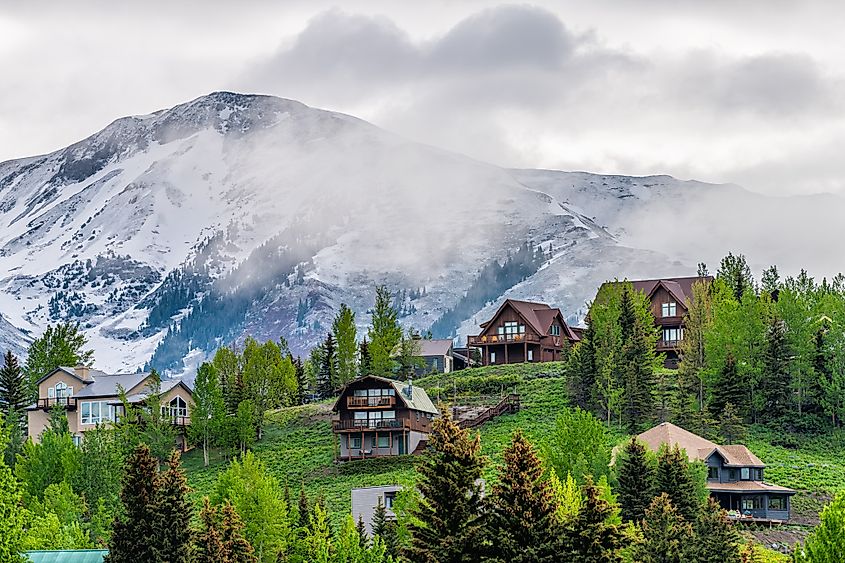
[242, 427]
[229, 367]
[133, 533]
[594, 535]
[384, 334]
[346, 336]
[61, 345]
[697, 322]
[53, 460]
[269, 377]
[635, 477]
[826, 543]
[579, 445]
[736, 273]
[97, 477]
[408, 357]
[567, 497]
[13, 516]
[523, 525]
[448, 523]
[675, 479]
[173, 513]
[208, 412]
[666, 534]
[257, 498]
[157, 430]
[716, 538]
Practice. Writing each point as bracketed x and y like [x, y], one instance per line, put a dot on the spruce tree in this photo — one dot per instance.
[302, 386]
[384, 528]
[173, 512]
[328, 368]
[731, 428]
[582, 369]
[593, 536]
[638, 371]
[635, 477]
[362, 532]
[133, 533]
[675, 479]
[304, 509]
[346, 337]
[716, 537]
[208, 541]
[235, 545]
[729, 389]
[666, 535]
[734, 270]
[364, 360]
[523, 525]
[448, 523]
[13, 391]
[776, 366]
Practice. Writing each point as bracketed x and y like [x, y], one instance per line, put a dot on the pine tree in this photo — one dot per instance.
[208, 541]
[384, 528]
[304, 509]
[133, 533]
[731, 428]
[523, 524]
[635, 477]
[675, 479]
[384, 333]
[771, 280]
[173, 512]
[346, 336]
[448, 526]
[593, 536]
[328, 368]
[716, 538]
[13, 392]
[364, 359]
[734, 270]
[236, 547]
[582, 369]
[362, 532]
[639, 385]
[729, 389]
[666, 535]
[776, 366]
[302, 386]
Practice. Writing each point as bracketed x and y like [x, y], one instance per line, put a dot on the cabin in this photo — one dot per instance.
[437, 354]
[670, 298]
[90, 397]
[735, 476]
[378, 417]
[365, 500]
[523, 331]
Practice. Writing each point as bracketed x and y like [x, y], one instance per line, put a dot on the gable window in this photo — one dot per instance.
[673, 334]
[177, 408]
[555, 330]
[733, 475]
[712, 472]
[669, 309]
[60, 391]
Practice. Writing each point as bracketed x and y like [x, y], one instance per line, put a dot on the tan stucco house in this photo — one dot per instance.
[92, 397]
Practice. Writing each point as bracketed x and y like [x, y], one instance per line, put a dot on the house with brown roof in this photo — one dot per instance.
[734, 474]
[90, 397]
[377, 417]
[437, 355]
[523, 331]
[670, 299]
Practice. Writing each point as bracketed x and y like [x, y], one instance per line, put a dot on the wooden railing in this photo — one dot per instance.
[376, 424]
[508, 404]
[67, 402]
[502, 338]
[370, 402]
[180, 420]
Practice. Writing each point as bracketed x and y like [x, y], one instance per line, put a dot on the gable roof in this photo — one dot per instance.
[70, 371]
[698, 448]
[418, 401]
[679, 288]
[538, 316]
[67, 556]
[435, 347]
[166, 385]
[106, 385]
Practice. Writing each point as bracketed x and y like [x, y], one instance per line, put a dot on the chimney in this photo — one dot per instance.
[83, 371]
[409, 390]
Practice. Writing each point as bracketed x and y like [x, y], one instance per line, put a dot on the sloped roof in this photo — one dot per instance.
[747, 486]
[418, 401]
[435, 347]
[166, 386]
[538, 315]
[680, 288]
[105, 385]
[698, 448]
[67, 556]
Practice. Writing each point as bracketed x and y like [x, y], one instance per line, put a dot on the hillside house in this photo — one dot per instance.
[376, 417]
[365, 500]
[670, 298]
[523, 331]
[90, 397]
[437, 355]
[734, 474]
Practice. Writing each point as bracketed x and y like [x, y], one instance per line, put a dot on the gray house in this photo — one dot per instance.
[734, 474]
[366, 499]
[437, 355]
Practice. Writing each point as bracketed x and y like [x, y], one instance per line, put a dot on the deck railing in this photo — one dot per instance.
[365, 402]
[377, 424]
[502, 338]
[47, 403]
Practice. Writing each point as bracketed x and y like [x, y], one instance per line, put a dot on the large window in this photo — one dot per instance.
[177, 408]
[713, 473]
[511, 328]
[492, 357]
[381, 442]
[555, 330]
[752, 503]
[60, 391]
[669, 309]
[777, 502]
[95, 412]
[355, 443]
[673, 334]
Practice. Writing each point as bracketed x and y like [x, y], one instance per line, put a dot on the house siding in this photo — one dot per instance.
[365, 501]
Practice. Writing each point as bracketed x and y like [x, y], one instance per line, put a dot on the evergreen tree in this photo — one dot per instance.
[639, 380]
[302, 384]
[385, 334]
[318, 543]
[697, 321]
[385, 528]
[567, 497]
[235, 545]
[408, 357]
[304, 509]
[364, 359]
[448, 523]
[593, 536]
[13, 400]
[716, 538]
[771, 280]
[582, 369]
[173, 513]
[666, 535]
[328, 368]
[728, 389]
[208, 542]
[61, 345]
[731, 428]
[776, 364]
[675, 479]
[734, 270]
[208, 411]
[133, 533]
[346, 336]
[523, 524]
[635, 477]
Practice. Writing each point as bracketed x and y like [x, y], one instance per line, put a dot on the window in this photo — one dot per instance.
[669, 309]
[95, 412]
[555, 330]
[77, 440]
[355, 443]
[511, 328]
[177, 408]
[530, 355]
[745, 474]
[733, 475]
[673, 334]
[383, 442]
[360, 415]
[777, 502]
[712, 472]
[752, 503]
[360, 393]
[492, 357]
[388, 500]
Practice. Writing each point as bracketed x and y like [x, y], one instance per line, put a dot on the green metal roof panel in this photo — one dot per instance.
[67, 556]
[418, 400]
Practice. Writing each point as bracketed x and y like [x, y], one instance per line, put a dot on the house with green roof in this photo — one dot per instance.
[67, 556]
[377, 417]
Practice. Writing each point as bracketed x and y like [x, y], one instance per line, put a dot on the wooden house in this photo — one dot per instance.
[735, 476]
[377, 417]
[437, 354]
[523, 331]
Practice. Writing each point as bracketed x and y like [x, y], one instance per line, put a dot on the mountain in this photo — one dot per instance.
[165, 235]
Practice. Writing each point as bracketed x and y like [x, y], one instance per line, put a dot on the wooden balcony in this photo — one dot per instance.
[180, 421]
[350, 425]
[68, 402]
[384, 401]
[502, 339]
[667, 345]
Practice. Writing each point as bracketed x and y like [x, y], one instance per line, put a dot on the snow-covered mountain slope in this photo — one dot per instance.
[239, 214]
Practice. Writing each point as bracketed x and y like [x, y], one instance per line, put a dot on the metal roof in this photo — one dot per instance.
[67, 556]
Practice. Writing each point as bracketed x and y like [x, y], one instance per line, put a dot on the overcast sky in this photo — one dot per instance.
[748, 92]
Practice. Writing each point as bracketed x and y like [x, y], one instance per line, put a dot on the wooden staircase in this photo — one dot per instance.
[509, 404]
